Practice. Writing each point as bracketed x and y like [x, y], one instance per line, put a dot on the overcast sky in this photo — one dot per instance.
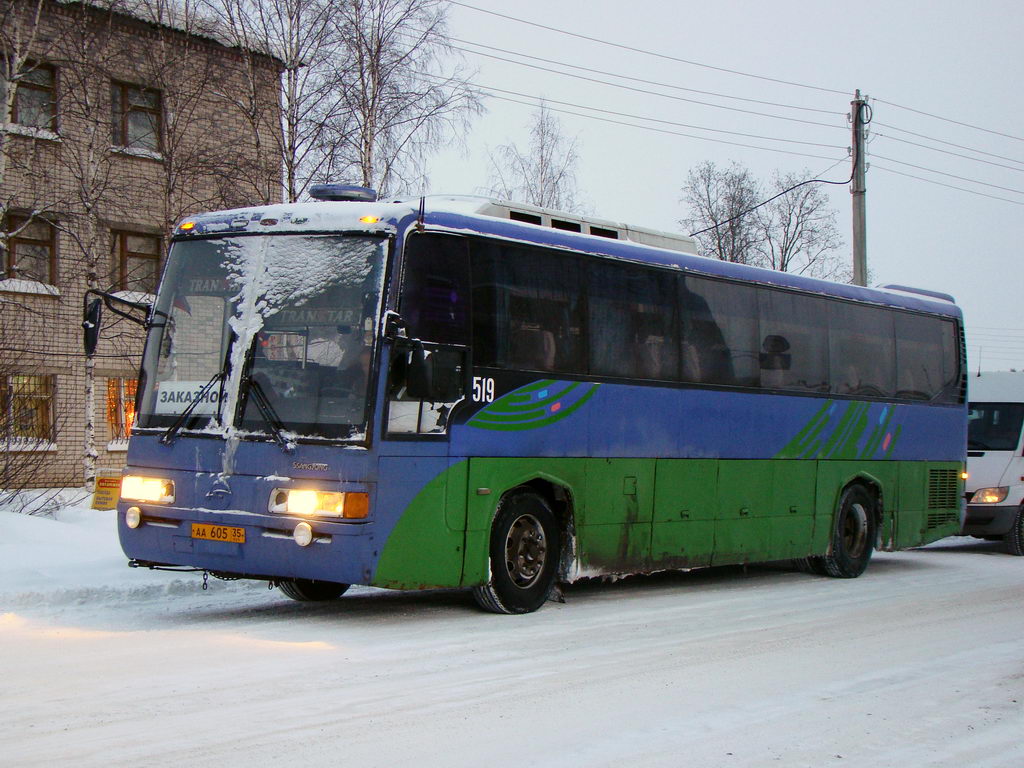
[956, 61]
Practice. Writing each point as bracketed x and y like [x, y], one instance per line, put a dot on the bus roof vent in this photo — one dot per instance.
[342, 193]
[921, 292]
[569, 222]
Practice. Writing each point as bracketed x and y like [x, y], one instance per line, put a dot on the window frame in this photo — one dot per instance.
[119, 419]
[121, 109]
[121, 255]
[15, 221]
[8, 399]
[23, 83]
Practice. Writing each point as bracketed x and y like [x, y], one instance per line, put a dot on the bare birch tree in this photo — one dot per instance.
[544, 174]
[716, 199]
[404, 95]
[302, 34]
[798, 230]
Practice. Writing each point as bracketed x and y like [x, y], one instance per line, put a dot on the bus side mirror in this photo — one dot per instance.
[91, 319]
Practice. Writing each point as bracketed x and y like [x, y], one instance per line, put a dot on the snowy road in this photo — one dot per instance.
[920, 662]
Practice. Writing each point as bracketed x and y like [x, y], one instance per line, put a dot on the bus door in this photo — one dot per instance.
[427, 370]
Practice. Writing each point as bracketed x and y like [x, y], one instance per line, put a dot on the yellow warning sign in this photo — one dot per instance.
[108, 489]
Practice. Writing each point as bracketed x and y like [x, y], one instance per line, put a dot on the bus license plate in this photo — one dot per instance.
[228, 533]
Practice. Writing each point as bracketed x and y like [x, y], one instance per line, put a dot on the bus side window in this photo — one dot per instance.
[797, 318]
[632, 323]
[526, 308]
[719, 332]
[862, 350]
[435, 288]
[920, 342]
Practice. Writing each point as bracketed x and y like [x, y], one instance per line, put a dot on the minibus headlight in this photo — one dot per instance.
[156, 490]
[303, 502]
[990, 495]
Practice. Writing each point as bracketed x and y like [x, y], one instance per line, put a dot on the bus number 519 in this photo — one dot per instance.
[483, 390]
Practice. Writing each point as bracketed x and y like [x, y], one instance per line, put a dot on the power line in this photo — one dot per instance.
[665, 95]
[647, 53]
[626, 77]
[492, 89]
[875, 166]
[947, 152]
[950, 175]
[950, 143]
[947, 119]
[665, 130]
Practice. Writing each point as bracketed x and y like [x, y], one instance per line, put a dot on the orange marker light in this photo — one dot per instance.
[187, 226]
[369, 219]
[356, 506]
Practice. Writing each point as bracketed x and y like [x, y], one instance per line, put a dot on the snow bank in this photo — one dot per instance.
[72, 556]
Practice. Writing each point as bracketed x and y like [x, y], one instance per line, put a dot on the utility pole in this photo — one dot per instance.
[860, 255]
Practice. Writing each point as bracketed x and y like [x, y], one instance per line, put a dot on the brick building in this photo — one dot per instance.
[116, 122]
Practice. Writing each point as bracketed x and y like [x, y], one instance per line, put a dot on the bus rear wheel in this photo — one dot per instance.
[853, 536]
[524, 552]
[1015, 537]
[307, 590]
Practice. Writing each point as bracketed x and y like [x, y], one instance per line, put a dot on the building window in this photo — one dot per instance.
[121, 407]
[137, 117]
[137, 261]
[27, 407]
[31, 250]
[35, 100]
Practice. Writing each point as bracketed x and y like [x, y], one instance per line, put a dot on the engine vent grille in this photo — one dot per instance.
[941, 519]
[942, 489]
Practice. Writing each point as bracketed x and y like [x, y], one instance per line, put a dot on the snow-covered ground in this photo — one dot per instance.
[920, 662]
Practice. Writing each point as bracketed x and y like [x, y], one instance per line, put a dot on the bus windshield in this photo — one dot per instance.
[288, 320]
[994, 426]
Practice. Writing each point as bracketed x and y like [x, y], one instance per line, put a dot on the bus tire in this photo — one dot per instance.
[524, 552]
[1014, 538]
[812, 564]
[853, 536]
[308, 591]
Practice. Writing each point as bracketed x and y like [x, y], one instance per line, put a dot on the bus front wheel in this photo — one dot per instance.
[307, 590]
[853, 536]
[524, 552]
[1015, 537]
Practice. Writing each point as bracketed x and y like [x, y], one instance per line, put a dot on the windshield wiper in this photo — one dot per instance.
[252, 387]
[172, 431]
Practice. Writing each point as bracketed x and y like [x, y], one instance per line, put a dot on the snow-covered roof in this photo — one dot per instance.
[170, 14]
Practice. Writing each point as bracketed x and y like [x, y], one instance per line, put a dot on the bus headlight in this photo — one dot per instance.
[153, 489]
[303, 502]
[133, 517]
[990, 495]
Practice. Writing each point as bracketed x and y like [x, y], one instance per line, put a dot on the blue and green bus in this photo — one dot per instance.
[461, 392]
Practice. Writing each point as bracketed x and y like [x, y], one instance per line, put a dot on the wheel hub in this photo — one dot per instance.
[525, 551]
[855, 530]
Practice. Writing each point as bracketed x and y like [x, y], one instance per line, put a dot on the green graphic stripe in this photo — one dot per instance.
[807, 439]
[847, 447]
[503, 406]
[513, 418]
[519, 393]
[892, 443]
[518, 426]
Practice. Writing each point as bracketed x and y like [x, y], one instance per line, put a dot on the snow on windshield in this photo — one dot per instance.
[271, 273]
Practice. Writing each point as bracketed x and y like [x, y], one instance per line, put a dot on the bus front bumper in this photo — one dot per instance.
[250, 545]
